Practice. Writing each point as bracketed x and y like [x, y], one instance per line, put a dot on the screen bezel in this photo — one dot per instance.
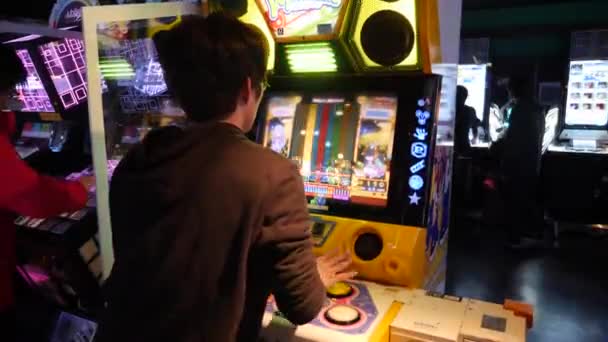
[407, 89]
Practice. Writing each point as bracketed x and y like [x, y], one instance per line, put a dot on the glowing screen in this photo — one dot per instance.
[342, 146]
[65, 61]
[587, 93]
[297, 18]
[134, 67]
[473, 77]
[32, 95]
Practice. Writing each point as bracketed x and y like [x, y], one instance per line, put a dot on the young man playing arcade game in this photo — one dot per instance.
[207, 224]
[23, 191]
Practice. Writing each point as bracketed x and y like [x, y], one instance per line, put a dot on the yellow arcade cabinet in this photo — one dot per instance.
[352, 102]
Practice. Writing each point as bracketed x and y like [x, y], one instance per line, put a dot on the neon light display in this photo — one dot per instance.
[65, 62]
[32, 95]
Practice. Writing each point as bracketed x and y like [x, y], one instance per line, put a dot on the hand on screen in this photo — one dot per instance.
[335, 267]
[87, 181]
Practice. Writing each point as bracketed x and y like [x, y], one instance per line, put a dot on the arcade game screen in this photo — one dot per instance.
[293, 18]
[587, 93]
[139, 99]
[65, 62]
[129, 63]
[474, 78]
[31, 96]
[342, 145]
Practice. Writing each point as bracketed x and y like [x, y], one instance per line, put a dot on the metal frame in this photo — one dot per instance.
[92, 16]
[37, 29]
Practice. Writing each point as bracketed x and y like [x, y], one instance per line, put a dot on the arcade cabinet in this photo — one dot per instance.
[575, 166]
[360, 117]
[56, 256]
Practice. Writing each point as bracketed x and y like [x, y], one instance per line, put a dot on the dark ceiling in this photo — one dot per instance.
[486, 4]
[40, 9]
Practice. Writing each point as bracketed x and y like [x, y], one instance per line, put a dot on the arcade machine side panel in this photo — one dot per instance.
[364, 147]
[439, 215]
[119, 50]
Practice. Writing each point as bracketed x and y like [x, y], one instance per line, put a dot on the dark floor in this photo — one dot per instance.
[568, 286]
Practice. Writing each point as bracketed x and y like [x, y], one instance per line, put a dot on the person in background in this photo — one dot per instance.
[466, 122]
[207, 224]
[521, 158]
[23, 191]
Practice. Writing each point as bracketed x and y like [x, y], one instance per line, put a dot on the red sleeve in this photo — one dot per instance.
[25, 192]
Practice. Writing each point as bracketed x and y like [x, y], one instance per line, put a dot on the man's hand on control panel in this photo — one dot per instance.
[335, 267]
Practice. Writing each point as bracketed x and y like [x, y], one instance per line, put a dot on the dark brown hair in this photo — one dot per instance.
[12, 71]
[207, 61]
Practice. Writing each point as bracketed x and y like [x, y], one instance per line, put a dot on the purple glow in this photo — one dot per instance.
[32, 94]
[65, 61]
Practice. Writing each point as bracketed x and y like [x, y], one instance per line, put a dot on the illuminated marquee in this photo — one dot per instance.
[289, 18]
[291, 6]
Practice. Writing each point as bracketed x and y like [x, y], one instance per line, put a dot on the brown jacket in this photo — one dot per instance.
[206, 225]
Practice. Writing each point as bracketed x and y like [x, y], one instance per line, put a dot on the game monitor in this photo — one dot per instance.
[30, 96]
[474, 78]
[587, 94]
[138, 98]
[343, 145]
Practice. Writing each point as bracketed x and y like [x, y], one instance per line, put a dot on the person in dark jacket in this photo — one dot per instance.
[207, 224]
[466, 122]
[23, 191]
[521, 159]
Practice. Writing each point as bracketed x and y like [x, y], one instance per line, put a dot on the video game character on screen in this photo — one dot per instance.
[281, 112]
[342, 146]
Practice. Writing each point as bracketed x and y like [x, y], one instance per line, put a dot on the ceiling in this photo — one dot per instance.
[486, 4]
[40, 9]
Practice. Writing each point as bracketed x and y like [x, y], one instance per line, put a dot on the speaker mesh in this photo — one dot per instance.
[387, 37]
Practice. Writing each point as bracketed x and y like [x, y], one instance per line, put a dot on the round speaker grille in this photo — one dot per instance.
[387, 37]
[368, 246]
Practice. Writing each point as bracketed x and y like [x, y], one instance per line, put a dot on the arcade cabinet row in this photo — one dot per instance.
[362, 122]
[574, 146]
[575, 169]
[57, 256]
[493, 118]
